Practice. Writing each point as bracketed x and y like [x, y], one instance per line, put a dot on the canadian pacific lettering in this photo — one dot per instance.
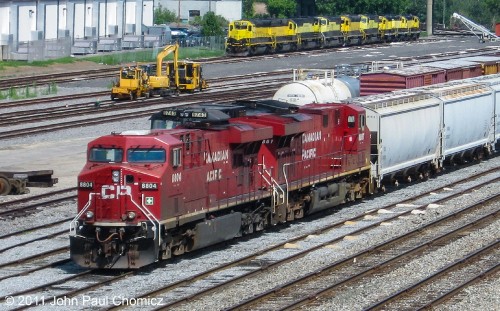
[311, 137]
[217, 156]
[214, 175]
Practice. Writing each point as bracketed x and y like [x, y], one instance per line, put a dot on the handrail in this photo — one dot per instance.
[85, 208]
[148, 213]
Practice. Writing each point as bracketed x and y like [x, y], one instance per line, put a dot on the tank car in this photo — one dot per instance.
[144, 196]
[317, 86]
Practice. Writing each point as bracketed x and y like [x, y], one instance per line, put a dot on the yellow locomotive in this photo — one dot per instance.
[261, 36]
[266, 36]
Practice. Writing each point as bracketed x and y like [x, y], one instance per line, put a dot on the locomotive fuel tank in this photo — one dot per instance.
[317, 86]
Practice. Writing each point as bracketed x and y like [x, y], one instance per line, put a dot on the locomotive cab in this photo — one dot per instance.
[119, 201]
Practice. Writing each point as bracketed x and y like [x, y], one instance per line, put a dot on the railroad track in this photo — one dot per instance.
[427, 293]
[13, 209]
[111, 72]
[93, 107]
[93, 279]
[254, 268]
[246, 262]
[255, 92]
[309, 290]
[215, 84]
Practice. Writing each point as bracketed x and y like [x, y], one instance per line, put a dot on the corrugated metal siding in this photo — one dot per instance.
[377, 83]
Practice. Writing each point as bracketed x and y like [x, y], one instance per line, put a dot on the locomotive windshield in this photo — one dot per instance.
[106, 155]
[148, 155]
[163, 124]
[240, 26]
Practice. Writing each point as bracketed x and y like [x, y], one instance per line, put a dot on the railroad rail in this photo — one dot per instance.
[66, 111]
[111, 72]
[254, 267]
[12, 208]
[254, 92]
[307, 289]
[215, 83]
[472, 268]
[89, 275]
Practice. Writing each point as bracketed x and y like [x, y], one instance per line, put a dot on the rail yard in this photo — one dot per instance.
[406, 249]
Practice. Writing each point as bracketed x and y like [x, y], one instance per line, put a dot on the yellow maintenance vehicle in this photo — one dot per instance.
[171, 77]
[133, 83]
[176, 76]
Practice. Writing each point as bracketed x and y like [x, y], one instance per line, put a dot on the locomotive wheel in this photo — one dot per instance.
[178, 250]
[5, 186]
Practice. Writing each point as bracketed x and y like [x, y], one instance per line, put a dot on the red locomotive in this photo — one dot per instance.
[216, 174]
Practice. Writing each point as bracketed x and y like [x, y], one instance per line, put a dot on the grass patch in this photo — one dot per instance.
[149, 55]
[45, 63]
[28, 91]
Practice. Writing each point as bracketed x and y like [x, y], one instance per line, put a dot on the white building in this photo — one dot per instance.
[188, 9]
[51, 19]
[28, 27]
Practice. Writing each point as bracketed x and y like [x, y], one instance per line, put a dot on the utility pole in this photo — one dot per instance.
[429, 18]
[444, 12]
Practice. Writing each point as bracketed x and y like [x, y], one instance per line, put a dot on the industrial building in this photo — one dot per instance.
[42, 29]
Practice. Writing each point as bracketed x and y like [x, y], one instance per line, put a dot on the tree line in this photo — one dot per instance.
[484, 12]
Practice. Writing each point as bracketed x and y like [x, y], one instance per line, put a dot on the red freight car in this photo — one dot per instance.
[398, 79]
[458, 69]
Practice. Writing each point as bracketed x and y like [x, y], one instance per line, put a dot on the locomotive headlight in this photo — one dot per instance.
[131, 215]
[115, 176]
[89, 215]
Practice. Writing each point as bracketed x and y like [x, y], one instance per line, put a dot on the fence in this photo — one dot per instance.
[38, 50]
[120, 50]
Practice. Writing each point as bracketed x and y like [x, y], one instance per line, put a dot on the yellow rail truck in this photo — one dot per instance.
[170, 77]
[175, 76]
[133, 83]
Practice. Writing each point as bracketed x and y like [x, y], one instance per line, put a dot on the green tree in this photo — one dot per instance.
[213, 25]
[282, 8]
[493, 7]
[248, 8]
[197, 20]
[164, 16]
